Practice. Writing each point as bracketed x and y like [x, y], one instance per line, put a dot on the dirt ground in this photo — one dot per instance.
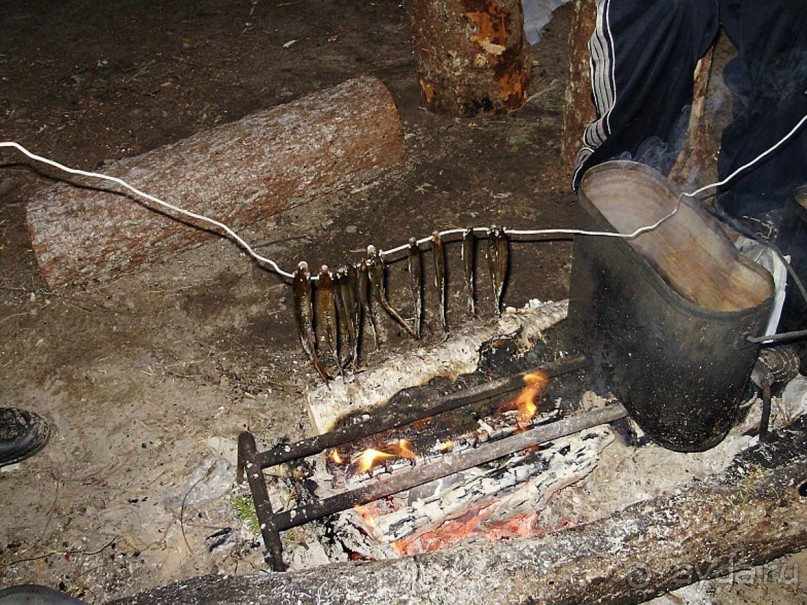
[149, 376]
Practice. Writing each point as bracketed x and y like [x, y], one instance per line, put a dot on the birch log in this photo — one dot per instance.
[86, 230]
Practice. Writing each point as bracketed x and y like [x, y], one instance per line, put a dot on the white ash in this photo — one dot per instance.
[521, 483]
[457, 355]
[626, 475]
[211, 479]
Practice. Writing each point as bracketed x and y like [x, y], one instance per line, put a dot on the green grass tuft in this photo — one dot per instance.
[245, 511]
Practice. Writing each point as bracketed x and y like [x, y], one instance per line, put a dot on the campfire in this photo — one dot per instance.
[498, 419]
[441, 463]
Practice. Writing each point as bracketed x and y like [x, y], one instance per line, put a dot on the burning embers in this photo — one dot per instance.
[429, 438]
[498, 500]
[476, 461]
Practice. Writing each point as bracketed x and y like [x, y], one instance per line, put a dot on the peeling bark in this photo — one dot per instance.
[472, 55]
[748, 515]
[238, 173]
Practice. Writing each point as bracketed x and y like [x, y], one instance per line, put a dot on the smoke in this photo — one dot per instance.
[658, 153]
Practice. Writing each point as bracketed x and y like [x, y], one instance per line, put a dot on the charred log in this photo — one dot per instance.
[237, 173]
[751, 513]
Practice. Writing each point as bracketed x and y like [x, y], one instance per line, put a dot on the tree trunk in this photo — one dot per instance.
[472, 55]
[751, 513]
[699, 149]
[86, 230]
[578, 107]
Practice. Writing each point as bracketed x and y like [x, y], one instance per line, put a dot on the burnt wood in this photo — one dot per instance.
[751, 513]
[86, 230]
[408, 413]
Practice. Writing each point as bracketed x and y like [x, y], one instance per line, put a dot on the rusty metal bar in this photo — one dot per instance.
[448, 465]
[409, 413]
[247, 453]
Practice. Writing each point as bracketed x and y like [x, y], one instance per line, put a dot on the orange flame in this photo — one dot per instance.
[370, 458]
[525, 402]
[335, 457]
[367, 514]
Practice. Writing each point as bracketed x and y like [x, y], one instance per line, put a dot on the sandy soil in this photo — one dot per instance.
[153, 376]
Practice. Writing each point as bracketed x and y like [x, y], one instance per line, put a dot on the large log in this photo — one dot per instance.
[238, 173]
[751, 513]
[472, 55]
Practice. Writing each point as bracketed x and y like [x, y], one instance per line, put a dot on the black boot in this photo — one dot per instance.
[22, 434]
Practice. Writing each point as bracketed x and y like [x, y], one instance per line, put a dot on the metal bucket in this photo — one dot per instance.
[666, 315]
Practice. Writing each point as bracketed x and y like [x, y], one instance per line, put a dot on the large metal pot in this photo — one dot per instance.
[665, 315]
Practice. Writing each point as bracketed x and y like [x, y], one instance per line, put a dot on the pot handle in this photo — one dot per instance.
[778, 338]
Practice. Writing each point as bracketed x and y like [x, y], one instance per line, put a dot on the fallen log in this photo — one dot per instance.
[751, 513]
[85, 230]
[472, 55]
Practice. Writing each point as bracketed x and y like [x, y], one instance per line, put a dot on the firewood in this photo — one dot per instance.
[238, 173]
[473, 57]
[747, 515]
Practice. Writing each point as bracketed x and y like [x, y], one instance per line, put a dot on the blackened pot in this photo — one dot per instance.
[665, 315]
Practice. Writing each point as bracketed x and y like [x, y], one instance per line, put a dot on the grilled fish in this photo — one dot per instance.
[502, 265]
[364, 298]
[377, 268]
[468, 245]
[304, 316]
[439, 257]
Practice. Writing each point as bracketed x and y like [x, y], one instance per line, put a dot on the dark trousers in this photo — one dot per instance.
[644, 53]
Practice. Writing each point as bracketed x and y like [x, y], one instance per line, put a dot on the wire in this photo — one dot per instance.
[166, 205]
[387, 253]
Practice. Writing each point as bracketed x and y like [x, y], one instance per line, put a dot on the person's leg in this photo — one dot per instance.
[767, 79]
[643, 55]
[768, 82]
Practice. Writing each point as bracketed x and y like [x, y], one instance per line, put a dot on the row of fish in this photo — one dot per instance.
[346, 297]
